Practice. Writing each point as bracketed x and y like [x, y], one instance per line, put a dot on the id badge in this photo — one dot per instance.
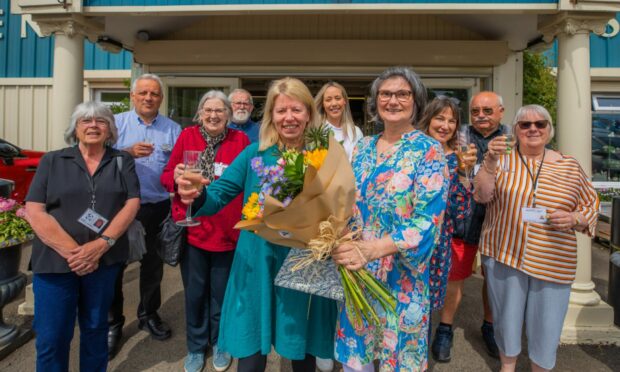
[219, 168]
[93, 220]
[534, 215]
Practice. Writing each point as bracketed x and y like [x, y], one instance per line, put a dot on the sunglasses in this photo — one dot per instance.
[540, 124]
[485, 110]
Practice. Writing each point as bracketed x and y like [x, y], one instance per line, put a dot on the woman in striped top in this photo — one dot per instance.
[536, 200]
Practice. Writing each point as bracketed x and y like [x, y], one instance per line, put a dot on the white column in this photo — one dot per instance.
[589, 320]
[68, 81]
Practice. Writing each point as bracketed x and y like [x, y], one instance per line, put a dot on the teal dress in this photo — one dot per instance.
[256, 314]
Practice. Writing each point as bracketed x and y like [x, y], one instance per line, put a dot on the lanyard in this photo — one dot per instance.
[534, 179]
[93, 188]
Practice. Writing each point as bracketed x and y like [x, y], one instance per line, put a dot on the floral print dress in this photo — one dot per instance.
[401, 194]
[458, 208]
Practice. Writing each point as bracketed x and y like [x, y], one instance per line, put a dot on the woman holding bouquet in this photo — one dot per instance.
[401, 181]
[257, 315]
[208, 254]
[332, 103]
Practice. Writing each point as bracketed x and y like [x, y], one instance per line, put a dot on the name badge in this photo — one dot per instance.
[219, 168]
[93, 220]
[534, 215]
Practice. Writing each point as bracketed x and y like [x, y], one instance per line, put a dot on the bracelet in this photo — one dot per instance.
[485, 166]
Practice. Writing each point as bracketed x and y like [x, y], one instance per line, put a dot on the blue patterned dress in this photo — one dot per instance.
[401, 195]
[458, 208]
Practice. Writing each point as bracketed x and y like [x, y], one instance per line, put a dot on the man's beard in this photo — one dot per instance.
[241, 116]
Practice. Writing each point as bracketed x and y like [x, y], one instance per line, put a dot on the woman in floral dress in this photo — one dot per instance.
[402, 181]
[442, 122]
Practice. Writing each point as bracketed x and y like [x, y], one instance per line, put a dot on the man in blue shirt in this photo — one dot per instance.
[149, 138]
[242, 106]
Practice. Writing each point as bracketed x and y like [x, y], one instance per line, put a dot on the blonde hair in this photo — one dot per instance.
[290, 87]
[347, 124]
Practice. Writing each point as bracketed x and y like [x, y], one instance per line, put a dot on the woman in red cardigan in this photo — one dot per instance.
[208, 255]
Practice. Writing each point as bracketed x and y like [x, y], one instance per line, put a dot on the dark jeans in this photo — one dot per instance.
[258, 362]
[58, 299]
[205, 275]
[151, 215]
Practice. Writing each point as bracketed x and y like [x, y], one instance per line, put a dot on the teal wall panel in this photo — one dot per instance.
[255, 2]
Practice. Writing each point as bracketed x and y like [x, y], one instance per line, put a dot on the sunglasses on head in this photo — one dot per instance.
[485, 110]
[540, 124]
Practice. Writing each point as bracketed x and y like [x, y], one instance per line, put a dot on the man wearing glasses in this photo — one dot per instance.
[486, 113]
[149, 138]
[242, 106]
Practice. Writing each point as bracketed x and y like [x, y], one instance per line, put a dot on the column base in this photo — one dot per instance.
[27, 307]
[590, 325]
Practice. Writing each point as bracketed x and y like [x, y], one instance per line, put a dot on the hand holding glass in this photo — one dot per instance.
[510, 143]
[463, 152]
[193, 174]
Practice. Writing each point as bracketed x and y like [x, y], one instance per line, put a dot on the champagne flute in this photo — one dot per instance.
[463, 149]
[510, 143]
[192, 173]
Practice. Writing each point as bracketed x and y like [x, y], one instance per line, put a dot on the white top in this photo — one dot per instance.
[349, 142]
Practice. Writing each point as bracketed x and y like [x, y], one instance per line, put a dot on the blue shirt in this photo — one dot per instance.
[163, 133]
[250, 128]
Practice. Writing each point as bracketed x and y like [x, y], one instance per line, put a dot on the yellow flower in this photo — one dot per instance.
[251, 209]
[315, 158]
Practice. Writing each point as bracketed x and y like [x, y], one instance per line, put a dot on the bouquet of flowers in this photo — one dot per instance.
[306, 202]
[14, 228]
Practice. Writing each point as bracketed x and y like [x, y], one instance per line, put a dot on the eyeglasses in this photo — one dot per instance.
[401, 95]
[217, 112]
[540, 124]
[485, 110]
[242, 103]
[93, 122]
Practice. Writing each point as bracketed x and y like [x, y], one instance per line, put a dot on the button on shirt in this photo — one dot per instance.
[162, 133]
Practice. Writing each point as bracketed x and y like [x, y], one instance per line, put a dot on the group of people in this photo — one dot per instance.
[430, 193]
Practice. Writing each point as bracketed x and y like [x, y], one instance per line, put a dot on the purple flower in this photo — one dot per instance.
[287, 201]
[21, 212]
[7, 204]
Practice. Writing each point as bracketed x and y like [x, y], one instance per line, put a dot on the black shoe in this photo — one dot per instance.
[442, 344]
[155, 326]
[114, 338]
[489, 339]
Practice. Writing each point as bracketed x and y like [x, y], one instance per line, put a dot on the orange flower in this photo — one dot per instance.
[315, 158]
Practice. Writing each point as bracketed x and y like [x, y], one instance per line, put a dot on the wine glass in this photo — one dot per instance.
[192, 173]
[463, 140]
[510, 143]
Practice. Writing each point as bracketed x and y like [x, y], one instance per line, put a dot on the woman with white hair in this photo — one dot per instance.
[80, 202]
[537, 199]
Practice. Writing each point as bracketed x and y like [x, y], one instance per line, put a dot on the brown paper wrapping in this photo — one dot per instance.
[330, 191]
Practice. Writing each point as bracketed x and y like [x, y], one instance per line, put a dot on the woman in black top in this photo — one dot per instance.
[81, 201]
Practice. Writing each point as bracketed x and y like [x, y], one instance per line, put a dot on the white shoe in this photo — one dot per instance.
[324, 365]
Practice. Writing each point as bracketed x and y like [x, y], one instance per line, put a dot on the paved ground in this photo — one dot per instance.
[141, 353]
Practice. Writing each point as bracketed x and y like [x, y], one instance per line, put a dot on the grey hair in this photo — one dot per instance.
[536, 110]
[91, 110]
[239, 90]
[148, 77]
[213, 94]
[500, 100]
[414, 81]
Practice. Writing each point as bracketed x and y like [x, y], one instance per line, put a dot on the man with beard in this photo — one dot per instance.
[486, 112]
[242, 106]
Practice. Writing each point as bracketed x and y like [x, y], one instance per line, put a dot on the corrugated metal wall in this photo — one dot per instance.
[25, 112]
[227, 2]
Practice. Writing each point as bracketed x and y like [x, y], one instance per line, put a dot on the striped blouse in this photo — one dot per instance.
[536, 248]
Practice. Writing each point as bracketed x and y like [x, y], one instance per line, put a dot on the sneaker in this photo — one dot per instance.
[442, 344]
[324, 365]
[489, 339]
[221, 360]
[194, 362]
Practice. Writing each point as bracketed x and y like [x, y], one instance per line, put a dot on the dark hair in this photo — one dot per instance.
[435, 108]
[418, 89]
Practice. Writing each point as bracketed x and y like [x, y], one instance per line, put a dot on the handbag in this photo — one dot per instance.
[135, 232]
[171, 241]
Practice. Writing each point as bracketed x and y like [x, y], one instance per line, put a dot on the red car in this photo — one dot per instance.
[18, 166]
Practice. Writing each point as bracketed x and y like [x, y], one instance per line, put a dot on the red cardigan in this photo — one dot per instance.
[216, 232]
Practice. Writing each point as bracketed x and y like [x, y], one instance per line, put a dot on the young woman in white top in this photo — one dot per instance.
[332, 103]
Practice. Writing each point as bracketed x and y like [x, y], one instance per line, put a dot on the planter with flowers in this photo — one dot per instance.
[14, 232]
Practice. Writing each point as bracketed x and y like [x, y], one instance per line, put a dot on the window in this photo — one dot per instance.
[112, 97]
[606, 139]
[606, 103]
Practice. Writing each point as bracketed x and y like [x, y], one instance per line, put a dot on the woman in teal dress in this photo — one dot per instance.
[402, 180]
[257, 315]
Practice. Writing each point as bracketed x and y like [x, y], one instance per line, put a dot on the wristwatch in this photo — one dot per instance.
[108, 240]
